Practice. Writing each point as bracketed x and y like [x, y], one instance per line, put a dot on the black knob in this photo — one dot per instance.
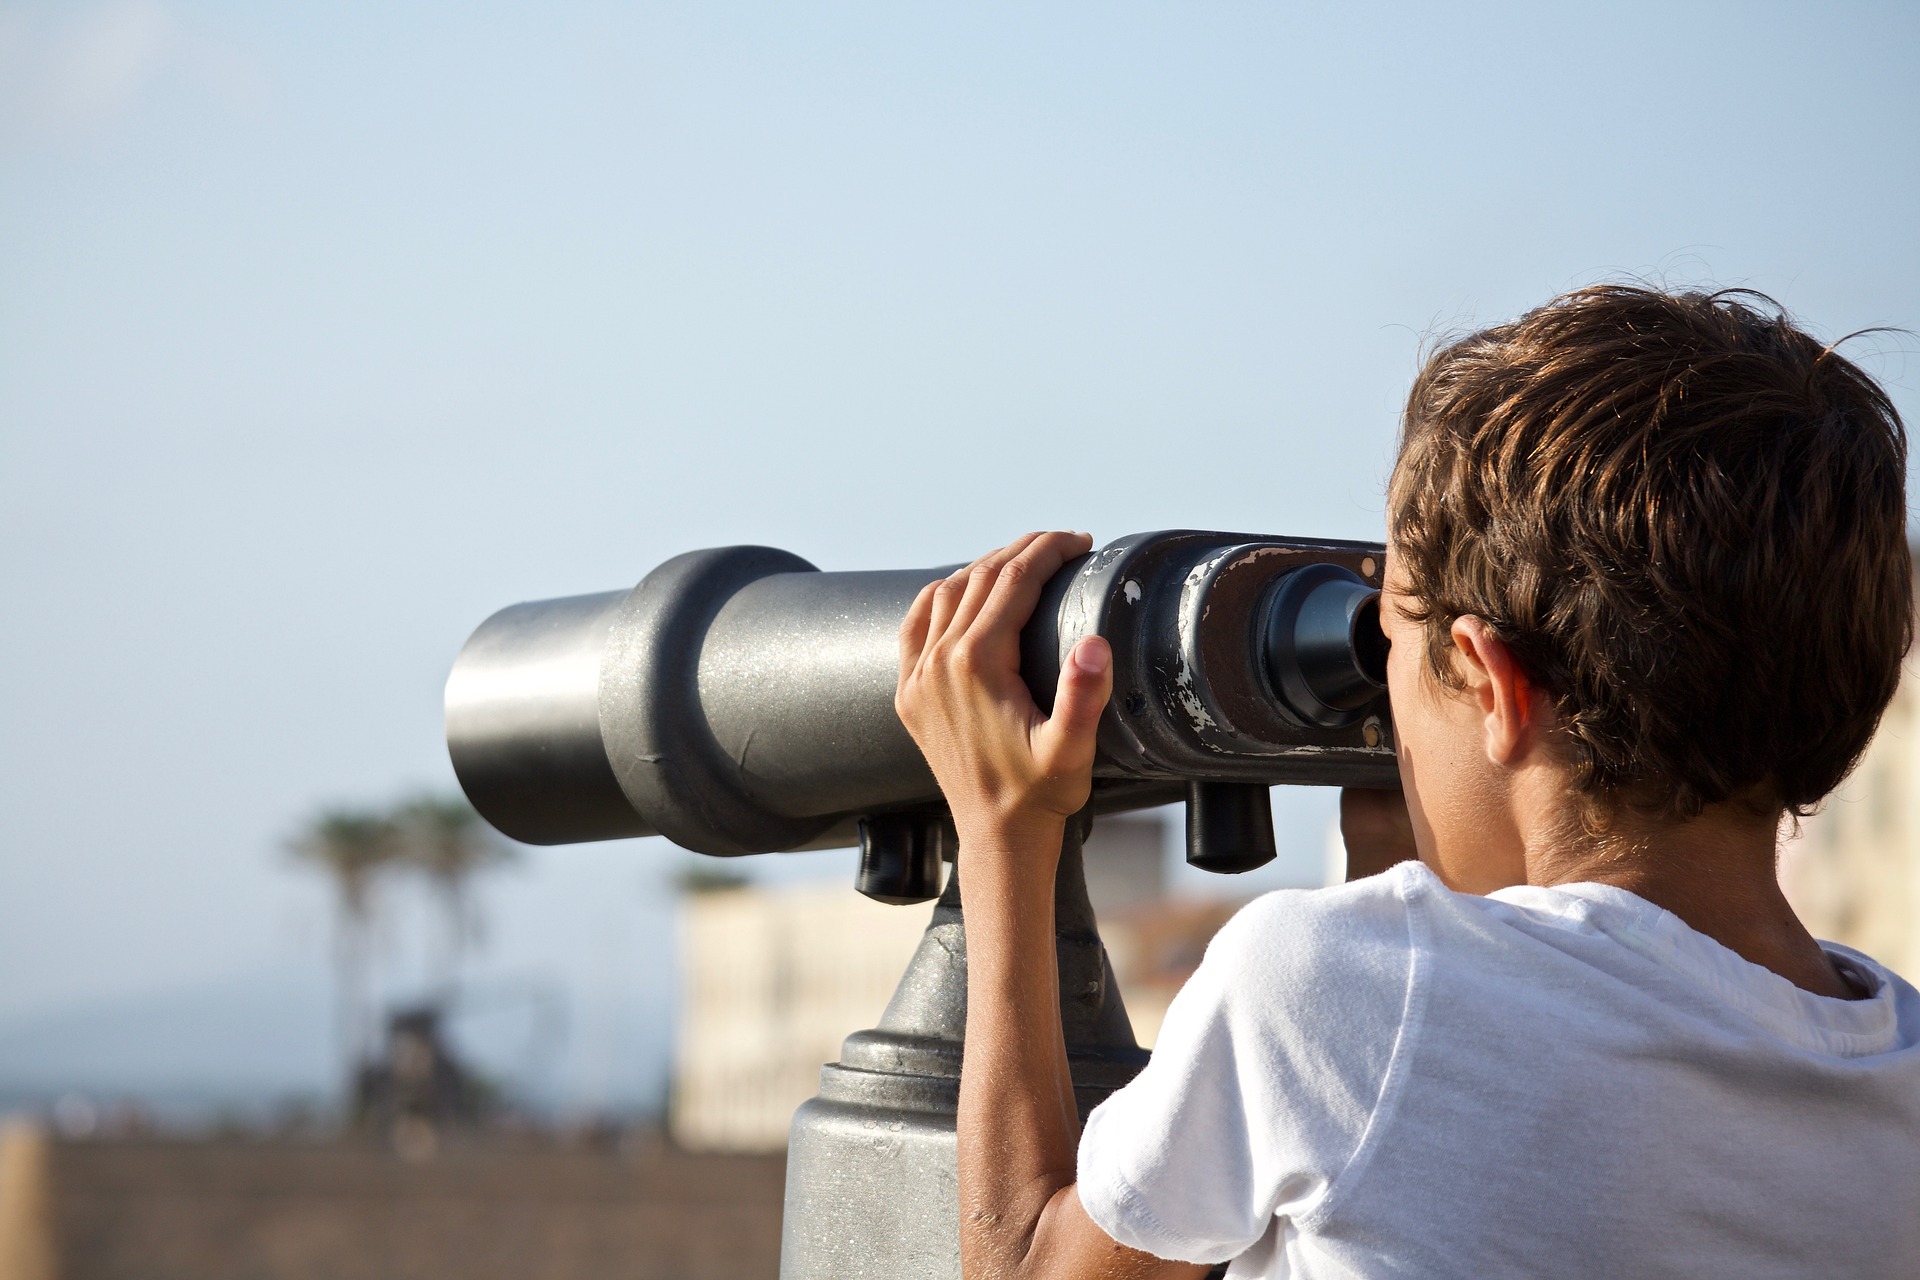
[1326, 654]
[900, 857]
[1229, 826]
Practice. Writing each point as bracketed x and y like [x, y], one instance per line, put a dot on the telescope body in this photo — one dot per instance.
[740, 701]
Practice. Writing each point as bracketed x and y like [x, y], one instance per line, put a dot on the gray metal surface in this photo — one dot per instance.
[739, 701]
[796, 679]
[872, 1187]
[660, 739]
[523, 723]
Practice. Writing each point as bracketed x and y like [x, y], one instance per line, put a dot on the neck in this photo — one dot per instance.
[1716, 872]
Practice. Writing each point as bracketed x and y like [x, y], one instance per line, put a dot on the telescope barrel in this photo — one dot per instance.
[740, 701]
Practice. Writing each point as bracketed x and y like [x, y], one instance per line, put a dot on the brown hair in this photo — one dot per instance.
[1687, 519]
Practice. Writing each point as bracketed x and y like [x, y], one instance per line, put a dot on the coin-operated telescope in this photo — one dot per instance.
[740, 701]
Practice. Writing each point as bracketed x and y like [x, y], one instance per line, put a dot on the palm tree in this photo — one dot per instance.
[352, 846]
[444, 839]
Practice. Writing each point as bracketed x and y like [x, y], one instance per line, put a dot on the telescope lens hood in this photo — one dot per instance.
[523, 723]
[1325, 652]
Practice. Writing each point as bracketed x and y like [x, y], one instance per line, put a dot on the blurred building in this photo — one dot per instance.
[418, 1088]
[26, 1210]
[772, 980]
[1155, 947]
[1853, 873]
[775, 978]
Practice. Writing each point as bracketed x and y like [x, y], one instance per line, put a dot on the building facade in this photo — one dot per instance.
[774, 978]
[1853, 870]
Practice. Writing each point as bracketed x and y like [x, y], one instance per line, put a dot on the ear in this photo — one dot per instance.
[1507, 700]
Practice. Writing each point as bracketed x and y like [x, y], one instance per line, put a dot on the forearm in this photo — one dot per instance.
[1018, 1125]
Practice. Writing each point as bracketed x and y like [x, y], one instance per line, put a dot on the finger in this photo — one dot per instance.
[946, 600]
[1066, 742]
[913, 629]
[981, 577]
[1018, 586]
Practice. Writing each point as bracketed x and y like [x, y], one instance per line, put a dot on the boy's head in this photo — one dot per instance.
[1686, 519]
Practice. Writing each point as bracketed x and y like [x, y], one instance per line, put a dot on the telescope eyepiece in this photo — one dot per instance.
[1326, 655]
[1370, 641]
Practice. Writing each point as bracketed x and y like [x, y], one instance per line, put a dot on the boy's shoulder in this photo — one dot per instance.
[1334, 926]
[1320, 967]
[1266, 1073]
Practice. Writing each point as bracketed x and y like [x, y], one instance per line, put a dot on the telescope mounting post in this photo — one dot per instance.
[872, 1187]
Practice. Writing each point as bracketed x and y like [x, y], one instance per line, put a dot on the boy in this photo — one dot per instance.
[1648, 594]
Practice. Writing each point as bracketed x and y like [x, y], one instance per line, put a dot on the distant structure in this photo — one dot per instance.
[1126, 863]
[1853, 873]
[26, 1203]
[1155, 947]
[444, 841]
[417, 1088]
[774, 979]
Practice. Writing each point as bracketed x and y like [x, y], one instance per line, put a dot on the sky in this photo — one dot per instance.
[325, 331]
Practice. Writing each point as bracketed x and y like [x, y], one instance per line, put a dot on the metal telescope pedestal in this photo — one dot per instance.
[872, 1192]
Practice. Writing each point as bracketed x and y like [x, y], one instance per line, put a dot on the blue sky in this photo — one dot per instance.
[327, 330]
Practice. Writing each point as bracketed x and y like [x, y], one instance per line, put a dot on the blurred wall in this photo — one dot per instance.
[1853, 873]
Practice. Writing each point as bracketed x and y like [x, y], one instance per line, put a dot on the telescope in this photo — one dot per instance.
[740, 701]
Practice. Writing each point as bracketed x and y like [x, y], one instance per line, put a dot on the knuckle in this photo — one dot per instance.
[1016, 571]
[910, 696]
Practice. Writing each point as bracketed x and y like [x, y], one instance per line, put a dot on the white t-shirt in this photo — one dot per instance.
[1392, 1079]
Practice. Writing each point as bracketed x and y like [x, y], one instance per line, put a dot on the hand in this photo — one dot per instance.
[1377, 829]
[1006, 769]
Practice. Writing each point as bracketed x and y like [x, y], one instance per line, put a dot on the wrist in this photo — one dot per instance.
[1009, 847]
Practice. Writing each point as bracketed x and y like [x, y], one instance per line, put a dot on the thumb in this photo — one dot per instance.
[1086, 681]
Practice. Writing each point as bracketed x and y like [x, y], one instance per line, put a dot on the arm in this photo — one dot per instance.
[1377, 830]
[1013, 777]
